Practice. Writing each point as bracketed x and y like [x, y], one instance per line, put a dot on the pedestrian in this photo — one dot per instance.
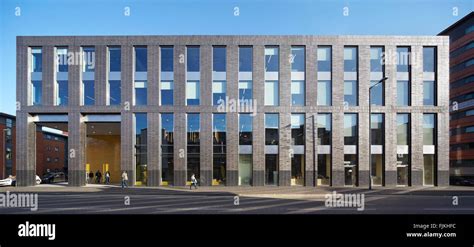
[124, 179]
[91, 177]
[107, 177]
[87, 177]
[98, 176]
[193, 182]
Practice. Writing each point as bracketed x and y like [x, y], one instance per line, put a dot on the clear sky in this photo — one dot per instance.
[185, 17]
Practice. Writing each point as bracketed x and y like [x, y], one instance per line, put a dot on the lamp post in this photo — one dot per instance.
[370, 130]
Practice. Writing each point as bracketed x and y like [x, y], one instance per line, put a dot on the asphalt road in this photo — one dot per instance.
[165, 201]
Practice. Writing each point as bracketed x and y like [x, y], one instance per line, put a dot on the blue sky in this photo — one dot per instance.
[185, 17]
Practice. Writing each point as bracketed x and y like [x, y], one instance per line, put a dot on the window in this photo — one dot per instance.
[192, 59]
[192, 93]
[166, 58]
[141, 59]
[219, 127]
[403, 127]
[297, 93]
[297, 129]
[88, 93]
[324, 128]
[114, 92]
[115, 59]
[469, 29]
[429, 54]
[37, 92]
[245, 129]
[377, 93]
[245, 169]
[271, 59]
[62, 59]
[350, 59]
[377, 71]
[403, 59]
[271, 93]
[218, 92]
[297, 59]
[193, 144]
[141, 126]
[167, 140]
[429, 129]
[219, 59]
[324, 59]
[403, 93]
[377, 129]
[88, 59]
[36, 60]
[376, 59]
[297, 159]
[62, 92]
[271, 129]
[429, 93]
[166, 92]
[350, 92]
[245, 58]
[140, 92]
[245, 91]
[350, 129]
[324, 93]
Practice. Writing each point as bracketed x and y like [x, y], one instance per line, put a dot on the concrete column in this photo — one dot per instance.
[100, 75]
[26, 141]
[153, 75]
[363, 116]
[258, 147]
[416, 117]
[49, 69]
[310, 164]
[77, 149]
[153, 149]
[390, 121]
[180, 149]
[311, 80]
[23, 78]
[442, 146]
[337, 143]
[206, 154]
[75, 80]
[232, 118]
[284, 174]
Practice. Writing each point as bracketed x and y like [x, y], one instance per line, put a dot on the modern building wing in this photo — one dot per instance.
[239, 110]
[461, 66]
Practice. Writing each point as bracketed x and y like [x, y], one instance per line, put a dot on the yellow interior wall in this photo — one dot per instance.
[103, 151]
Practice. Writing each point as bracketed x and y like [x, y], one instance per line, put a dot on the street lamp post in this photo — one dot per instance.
[370, 130]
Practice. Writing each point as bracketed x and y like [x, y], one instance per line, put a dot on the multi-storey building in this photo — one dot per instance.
[7, 148]
[461, 35]
[240, 110]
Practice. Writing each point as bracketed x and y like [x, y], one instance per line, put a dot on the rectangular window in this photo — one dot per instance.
[271, 169]
[350, 93]
[36, 60]
[192, 59]
[429, 59]
[245, 169]
[297, 159]
[166, 92]
[141, 59]
[167, 140]
[88, 59]
[37, 92]
[245, 129]
[141, 127]
[324, 169]
[272, 59]
[377, 93]
[218, 92]
[324, 59]
[272, 128]
[350, 129]
[350, 59]
[88, 93]
[219, 59]
[115, 59]
[428, 169]
[167, 61]
[245, 58]
[62, 92]
[324, 129]
[429, 133]
[115, 92]
[297, 93]
[403, 93]
[62, 59]
[403, 127]
[219, 127]
[193, 144]
[140, 92]
[403, 59]
[376, 59]
[324, 93]
[377, 129]
[271, 93]
[192, 93]
[245, 91]
[297, 59]
[297, 129]
[429, 93]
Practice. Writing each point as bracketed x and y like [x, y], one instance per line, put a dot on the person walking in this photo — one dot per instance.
[107, 177]
[91, 177]
[193, 182]
[98, 176]
[124, 179]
